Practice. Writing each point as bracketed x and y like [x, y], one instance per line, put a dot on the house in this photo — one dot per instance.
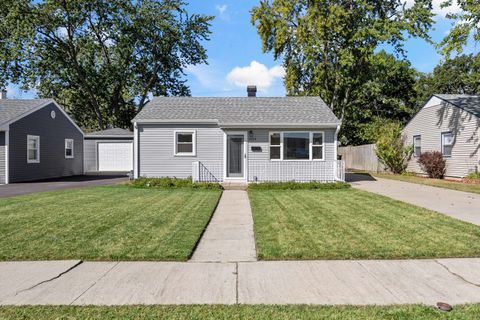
[237, 139]
[109, 150]
[38, 140]
[449, 124]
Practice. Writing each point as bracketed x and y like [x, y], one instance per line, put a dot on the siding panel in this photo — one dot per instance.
[2, 158]
[431, 121]
[53, 133]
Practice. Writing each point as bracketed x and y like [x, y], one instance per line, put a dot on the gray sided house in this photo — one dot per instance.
[449, 124]
[38, 140]
[109, 150]
[237, 139]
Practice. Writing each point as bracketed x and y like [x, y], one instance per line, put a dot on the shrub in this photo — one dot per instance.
[391, 149]
[432, 163]
[292, 185]
[473, 175]
[172, 183]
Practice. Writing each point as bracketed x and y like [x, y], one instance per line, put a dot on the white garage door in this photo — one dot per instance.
[115, 156]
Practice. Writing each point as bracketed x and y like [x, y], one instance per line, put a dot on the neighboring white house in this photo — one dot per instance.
[449, 124]
[237, 139]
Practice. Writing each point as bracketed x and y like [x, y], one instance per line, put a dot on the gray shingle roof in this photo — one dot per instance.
[13, 108]
[111, 132]
[466, 102]
[237, 111]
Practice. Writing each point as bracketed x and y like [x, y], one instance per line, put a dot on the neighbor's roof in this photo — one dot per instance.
[239, 111]
[11, 109]
[114, 132]
[468, 103]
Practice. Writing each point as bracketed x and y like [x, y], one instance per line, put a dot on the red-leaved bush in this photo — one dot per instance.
[432, 163]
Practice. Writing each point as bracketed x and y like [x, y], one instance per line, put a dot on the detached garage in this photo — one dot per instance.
[109, 150]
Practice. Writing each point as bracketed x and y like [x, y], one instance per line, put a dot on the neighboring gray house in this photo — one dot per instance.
[109, 150]
[449, 124]
[237, 139]
[38, 140]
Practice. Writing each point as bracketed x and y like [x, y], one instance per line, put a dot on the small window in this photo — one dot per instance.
[447, 144]
[317, 146]
[68, 148]
[185, 143]
[417, 146]
[33, 149]
[275, 146]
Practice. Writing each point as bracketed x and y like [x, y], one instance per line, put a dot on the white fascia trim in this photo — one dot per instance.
[177, 121]
[279, 125]
[109, 137]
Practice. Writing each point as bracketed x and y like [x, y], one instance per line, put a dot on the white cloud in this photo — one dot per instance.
[255, 74]
[222, 11]
[437, 7]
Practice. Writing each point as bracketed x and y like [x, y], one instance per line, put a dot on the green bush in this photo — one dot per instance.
[172, 183]
[292, 185]
[473, 175]
[391, 149]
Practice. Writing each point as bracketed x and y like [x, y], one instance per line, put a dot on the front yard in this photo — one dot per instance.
[353, 224]
[105, 223]
[240, 312]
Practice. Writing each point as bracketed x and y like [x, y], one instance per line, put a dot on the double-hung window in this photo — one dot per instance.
[33, 149]
[185, 143]
[417, 146]
[294, 145]
[447, 144]
[69, 148]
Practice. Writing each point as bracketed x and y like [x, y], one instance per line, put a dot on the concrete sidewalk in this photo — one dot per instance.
[361, 282]
[229, 236]
[457, 204]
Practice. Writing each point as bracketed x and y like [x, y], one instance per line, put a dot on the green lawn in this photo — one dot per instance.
[105, 223]
[353, 224]
[403, 312]
[441, 183]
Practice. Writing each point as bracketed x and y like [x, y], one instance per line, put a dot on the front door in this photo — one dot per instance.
[235, 155]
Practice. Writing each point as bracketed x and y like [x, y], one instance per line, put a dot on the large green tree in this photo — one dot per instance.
[459, 75]
[101, 59]
[328, 46]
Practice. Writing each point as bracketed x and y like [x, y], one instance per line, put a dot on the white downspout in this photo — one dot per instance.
[335, 153]
[7, 166]
[135, 151]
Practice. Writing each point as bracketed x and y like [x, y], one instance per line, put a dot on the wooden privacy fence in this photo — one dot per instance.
[361, 158]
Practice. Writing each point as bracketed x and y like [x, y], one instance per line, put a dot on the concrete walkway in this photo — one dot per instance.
[229, 236]
[457, 204]
[455, 281]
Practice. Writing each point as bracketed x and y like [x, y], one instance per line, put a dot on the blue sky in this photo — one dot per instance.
[235, 56]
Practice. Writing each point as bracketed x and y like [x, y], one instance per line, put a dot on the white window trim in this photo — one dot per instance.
[414, 137]
[317, 145]
[29, 137]
[443, 145]
[73, 151]
[194, 144]
[310, 145]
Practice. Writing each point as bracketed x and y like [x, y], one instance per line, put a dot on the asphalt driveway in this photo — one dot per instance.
[457, 204]
[16, 189]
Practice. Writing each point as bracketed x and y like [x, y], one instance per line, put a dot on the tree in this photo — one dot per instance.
[391, 148]
[101, 59]
[467, 24]
[327, 46]
[460, 75]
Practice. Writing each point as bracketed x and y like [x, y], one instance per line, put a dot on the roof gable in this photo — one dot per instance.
[469, 103]
[14, 109]
[239, 111]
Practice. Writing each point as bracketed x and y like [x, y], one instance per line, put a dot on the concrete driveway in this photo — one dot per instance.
[457, 204]
[16, 189]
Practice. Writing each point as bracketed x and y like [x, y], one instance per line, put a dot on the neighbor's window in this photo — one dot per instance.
[68, 148]
[417, 146]
[33, 149]
[296, 146]
[317, 145]
[275, 146]
[184, 143]
[447, 143]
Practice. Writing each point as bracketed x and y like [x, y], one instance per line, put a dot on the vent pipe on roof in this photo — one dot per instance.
[252, 91]
[3, 94]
